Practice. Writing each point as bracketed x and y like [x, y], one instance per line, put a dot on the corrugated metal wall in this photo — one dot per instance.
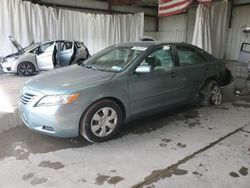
[168, 36]
[175, 28]
[171, 29]
[241, 16]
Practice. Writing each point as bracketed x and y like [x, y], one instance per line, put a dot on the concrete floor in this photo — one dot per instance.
[186, 147]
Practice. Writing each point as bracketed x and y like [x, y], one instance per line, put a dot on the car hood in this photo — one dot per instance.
[63, 80]
[16, 44]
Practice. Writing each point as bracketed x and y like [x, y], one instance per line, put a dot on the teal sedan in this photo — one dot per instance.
[119, 84]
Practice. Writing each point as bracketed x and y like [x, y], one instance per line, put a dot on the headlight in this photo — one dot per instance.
[9, 59]
[52, 100]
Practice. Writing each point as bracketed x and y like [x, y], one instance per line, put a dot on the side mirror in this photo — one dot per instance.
[39, 50]
[143, 69]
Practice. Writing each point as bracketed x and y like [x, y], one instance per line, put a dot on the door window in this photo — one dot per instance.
[66, 46]
[160, 59]
[48, 47]
[188, 56]
[245, 47]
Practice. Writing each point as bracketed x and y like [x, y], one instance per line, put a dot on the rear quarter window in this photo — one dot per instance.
[189, 56]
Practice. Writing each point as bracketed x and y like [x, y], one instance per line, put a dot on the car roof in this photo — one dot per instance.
[152, 43]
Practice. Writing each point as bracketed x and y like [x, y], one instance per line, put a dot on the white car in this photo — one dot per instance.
[44, 56]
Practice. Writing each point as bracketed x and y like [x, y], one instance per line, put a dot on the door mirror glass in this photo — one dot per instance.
[143, 69]
[39, 51]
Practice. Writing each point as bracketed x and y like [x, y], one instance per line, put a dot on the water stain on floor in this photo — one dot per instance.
[164, 173]
[243, 171]
[37, 181]
[53, 165]
[154, 122]
[20, 142]
[100, 179]
[180, 145]
[20, 151]
[193, 124]
[27, 176]
[113, 180]
[234, 174]
[197, 174]
[164, 142]
[82, 180]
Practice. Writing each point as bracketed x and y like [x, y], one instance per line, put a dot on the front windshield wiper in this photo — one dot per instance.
[90, 67]
[99, 69]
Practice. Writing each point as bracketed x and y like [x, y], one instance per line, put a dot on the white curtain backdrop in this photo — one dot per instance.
[27, 22]
[202, 29]
[98, 31]
[219, 28]
[211, 27]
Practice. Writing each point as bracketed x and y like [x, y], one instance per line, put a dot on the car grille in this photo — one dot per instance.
[27, 98]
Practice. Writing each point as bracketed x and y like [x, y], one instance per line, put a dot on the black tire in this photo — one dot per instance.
[211, 94]
[88, 121]
[25, 69]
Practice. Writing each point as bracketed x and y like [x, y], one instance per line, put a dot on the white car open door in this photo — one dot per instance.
[244, 56]
[65, 52]
[45, 56]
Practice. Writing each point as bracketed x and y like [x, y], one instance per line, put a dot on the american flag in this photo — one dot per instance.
[170, 7]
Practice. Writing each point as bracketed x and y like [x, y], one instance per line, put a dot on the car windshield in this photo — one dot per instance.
[114, 59]
[30, 47]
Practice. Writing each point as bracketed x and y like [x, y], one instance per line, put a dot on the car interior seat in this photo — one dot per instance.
[72, 58]
[153, 61]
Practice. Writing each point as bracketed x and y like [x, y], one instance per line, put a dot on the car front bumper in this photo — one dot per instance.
[9, 67]
[59, 120]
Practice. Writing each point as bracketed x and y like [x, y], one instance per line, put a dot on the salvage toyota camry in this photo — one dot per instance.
[118, 84]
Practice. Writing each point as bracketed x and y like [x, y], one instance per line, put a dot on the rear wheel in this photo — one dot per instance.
[26, 69]
[101, 121]
[211, 94]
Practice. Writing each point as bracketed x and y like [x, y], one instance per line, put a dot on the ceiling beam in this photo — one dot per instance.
[99, 6]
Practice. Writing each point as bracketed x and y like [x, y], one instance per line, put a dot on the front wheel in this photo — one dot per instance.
[211, 94]
[25, 69]
[101, 121]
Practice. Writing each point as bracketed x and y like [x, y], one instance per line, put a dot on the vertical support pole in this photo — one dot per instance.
[187, 22]
[157, 20]
[157, 24]
[110, 6]
[231, 14]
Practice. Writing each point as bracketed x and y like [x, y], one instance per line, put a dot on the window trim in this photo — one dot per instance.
[53, 43]
[242, 45]
[157, 48]
[193, 49]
